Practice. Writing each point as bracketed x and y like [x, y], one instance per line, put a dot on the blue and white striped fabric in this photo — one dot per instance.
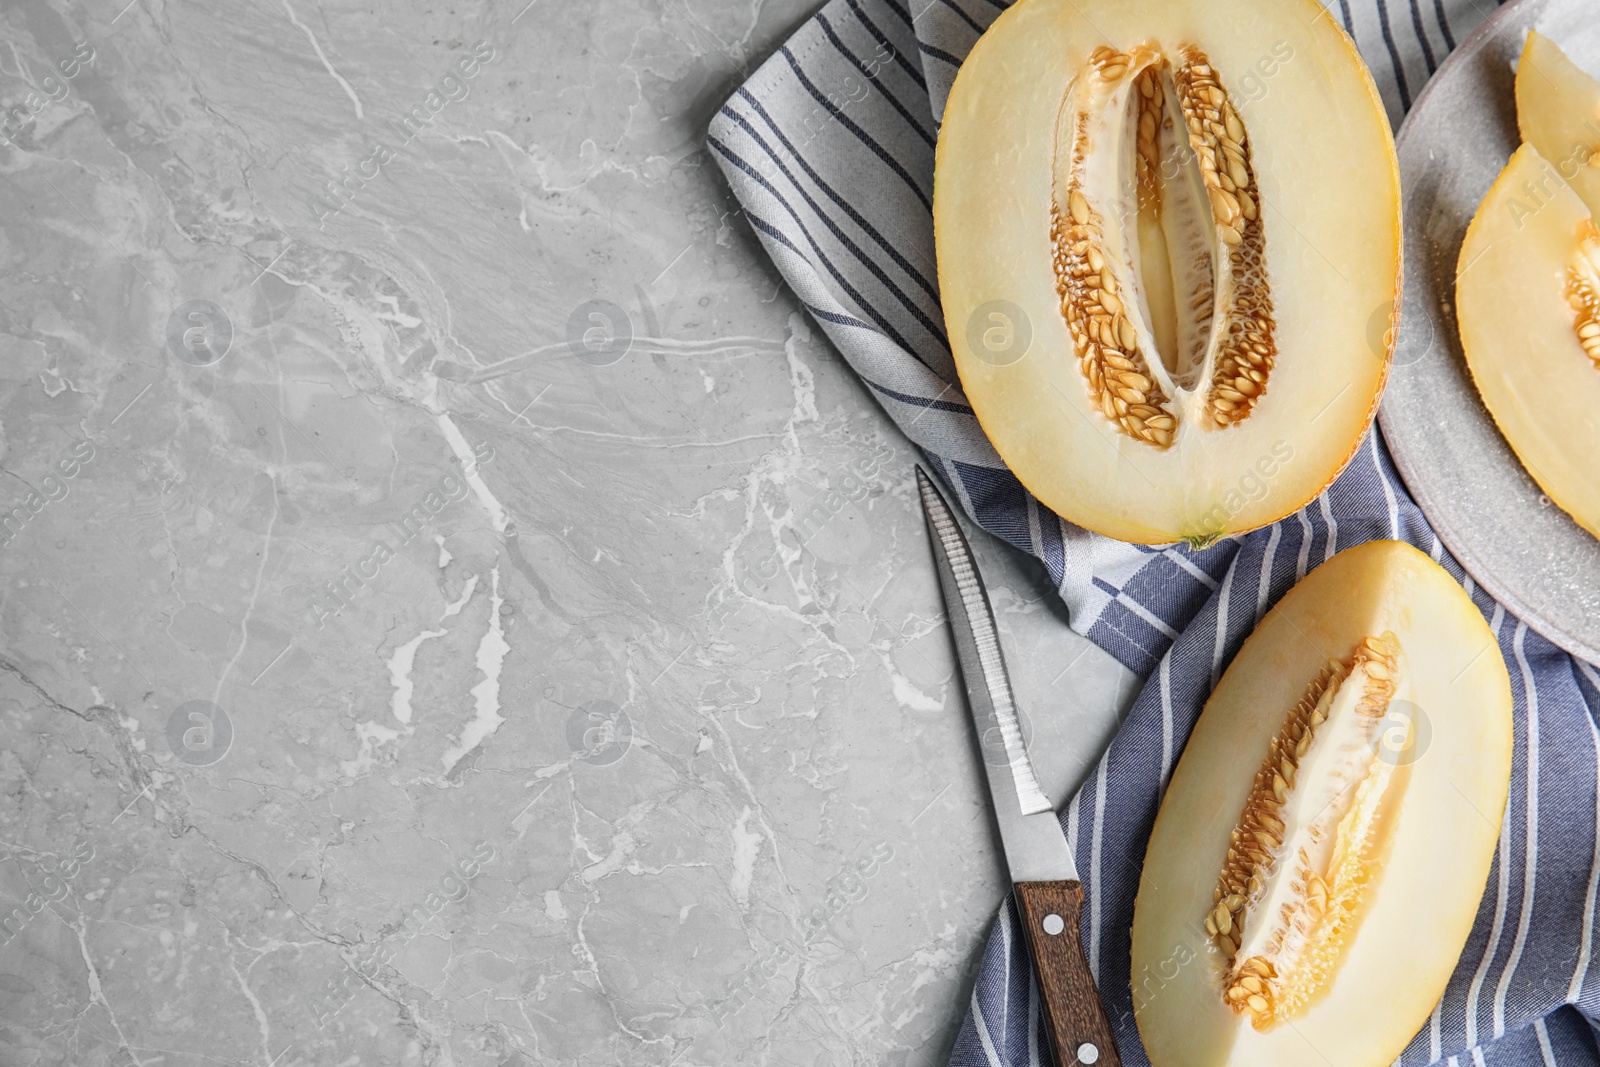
[829, 150]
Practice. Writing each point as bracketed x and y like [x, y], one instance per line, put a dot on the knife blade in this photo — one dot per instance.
[1044, 874]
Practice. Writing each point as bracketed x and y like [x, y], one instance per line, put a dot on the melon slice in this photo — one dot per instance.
[1558, 112]
[1168, 242]
[1528, 302]
[1325, 839]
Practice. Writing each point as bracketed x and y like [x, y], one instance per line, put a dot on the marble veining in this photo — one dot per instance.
[455, 609]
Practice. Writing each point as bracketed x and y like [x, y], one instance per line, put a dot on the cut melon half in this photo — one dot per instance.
[1323, 844]
[1528, 303]
[1168, 242]
[1558, 112]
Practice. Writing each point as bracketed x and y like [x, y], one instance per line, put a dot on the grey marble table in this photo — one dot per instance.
[454, 607]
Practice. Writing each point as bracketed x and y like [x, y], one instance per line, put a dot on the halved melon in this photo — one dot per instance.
[1191, 212]
[1325, 839]
[1558, 112]
[1528, 302]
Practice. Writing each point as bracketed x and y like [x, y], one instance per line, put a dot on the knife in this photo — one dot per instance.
[1043, 872]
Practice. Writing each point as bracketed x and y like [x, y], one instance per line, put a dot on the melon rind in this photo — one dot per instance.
[1419, 907]
[1329, 181]
[1558, 112]
[1518, 331]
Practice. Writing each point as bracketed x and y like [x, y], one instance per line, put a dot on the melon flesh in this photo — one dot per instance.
[1527, 287]
[1558, 112]
[1325, 839]
[1192, 211]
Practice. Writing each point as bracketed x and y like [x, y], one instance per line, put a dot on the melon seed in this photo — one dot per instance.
[1078, 206]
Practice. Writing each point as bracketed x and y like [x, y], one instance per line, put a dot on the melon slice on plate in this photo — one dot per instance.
[1323, 845]
[1168, 244]
[1528, 302]
[1558, 112]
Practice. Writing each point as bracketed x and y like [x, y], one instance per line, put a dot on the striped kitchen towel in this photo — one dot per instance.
[828, 148]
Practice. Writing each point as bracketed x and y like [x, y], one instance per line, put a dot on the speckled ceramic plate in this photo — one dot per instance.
[1489, 513]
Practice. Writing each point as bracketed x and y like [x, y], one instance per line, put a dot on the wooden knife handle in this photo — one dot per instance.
[1078, 1023]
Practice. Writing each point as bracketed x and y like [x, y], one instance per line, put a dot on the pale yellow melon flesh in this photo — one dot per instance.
[1045, 151]
[1558, 112]
[1532, 236]
[1395, 800]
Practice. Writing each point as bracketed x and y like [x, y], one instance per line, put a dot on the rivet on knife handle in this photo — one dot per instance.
[1077, 1019]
